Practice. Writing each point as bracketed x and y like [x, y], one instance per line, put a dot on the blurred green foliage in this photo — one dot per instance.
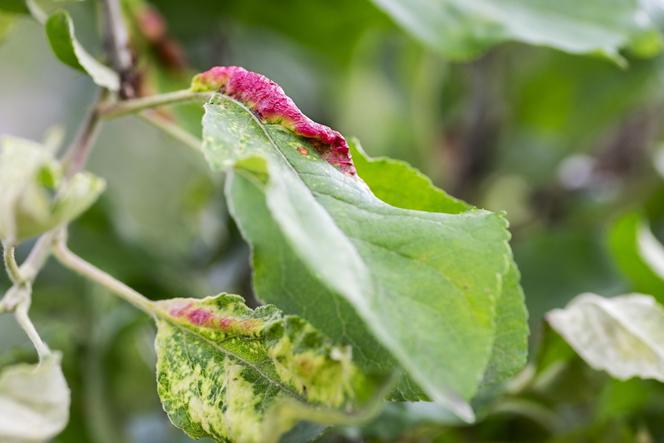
[566, 144]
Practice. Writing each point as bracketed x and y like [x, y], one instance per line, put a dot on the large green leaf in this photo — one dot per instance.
[398, 184]
[419, 286]
[622, 335]
[461, 29]
[60, 32]
[233, 374]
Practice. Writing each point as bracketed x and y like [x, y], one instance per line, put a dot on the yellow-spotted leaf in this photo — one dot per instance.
[235, 374]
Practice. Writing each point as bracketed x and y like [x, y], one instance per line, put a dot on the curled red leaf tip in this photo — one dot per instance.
[271, 104]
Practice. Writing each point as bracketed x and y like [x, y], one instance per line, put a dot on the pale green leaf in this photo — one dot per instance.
[34, 401]
[419, 287]
[461, 29]
[623, 336]
[29, 203]
[233, 374]
[76, 196]
[60, 32]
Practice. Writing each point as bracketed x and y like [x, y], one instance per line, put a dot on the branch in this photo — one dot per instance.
[117, 46]
[26, 324]
[172, 129]
[91, 272]
[77, 154]
[141, 104]
[11, 266]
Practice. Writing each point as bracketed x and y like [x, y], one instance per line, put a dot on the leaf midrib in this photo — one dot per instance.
[272, 380]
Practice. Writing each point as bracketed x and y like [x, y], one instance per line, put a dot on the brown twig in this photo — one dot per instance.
[117, 47]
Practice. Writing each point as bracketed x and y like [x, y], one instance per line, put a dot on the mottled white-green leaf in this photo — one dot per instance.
[623, 336]
[405, 288]
[233, 374]
[60, 32]
[397, 183]
[461, 29]
[29, 203]
[34, 401]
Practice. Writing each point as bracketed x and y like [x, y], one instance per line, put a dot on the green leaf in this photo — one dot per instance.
[14, 6]
[34, 401]
[462, 29]
[233, 374]
[638, 254]
[60, 32]
[419, 286]
[623, 336]
[29, 203]
[398, 184]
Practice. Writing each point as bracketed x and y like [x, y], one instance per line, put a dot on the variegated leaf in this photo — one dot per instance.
[233, 374]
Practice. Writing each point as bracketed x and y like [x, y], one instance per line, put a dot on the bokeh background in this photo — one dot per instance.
[569, 146]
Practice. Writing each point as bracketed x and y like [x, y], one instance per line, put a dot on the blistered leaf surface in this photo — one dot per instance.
[34, 401]
[623, 336]
[230, 373]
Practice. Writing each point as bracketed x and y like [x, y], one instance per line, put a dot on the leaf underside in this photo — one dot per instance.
[461, 29]
[34, 401]
[621, 335]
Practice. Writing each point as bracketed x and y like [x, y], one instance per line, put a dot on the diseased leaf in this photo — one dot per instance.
[60, 32]
[623, 336]
[397, 183]
[230, 373]
[638, 254]
[34, 401]
[462, 29]
[29, 177]
[419, 287]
